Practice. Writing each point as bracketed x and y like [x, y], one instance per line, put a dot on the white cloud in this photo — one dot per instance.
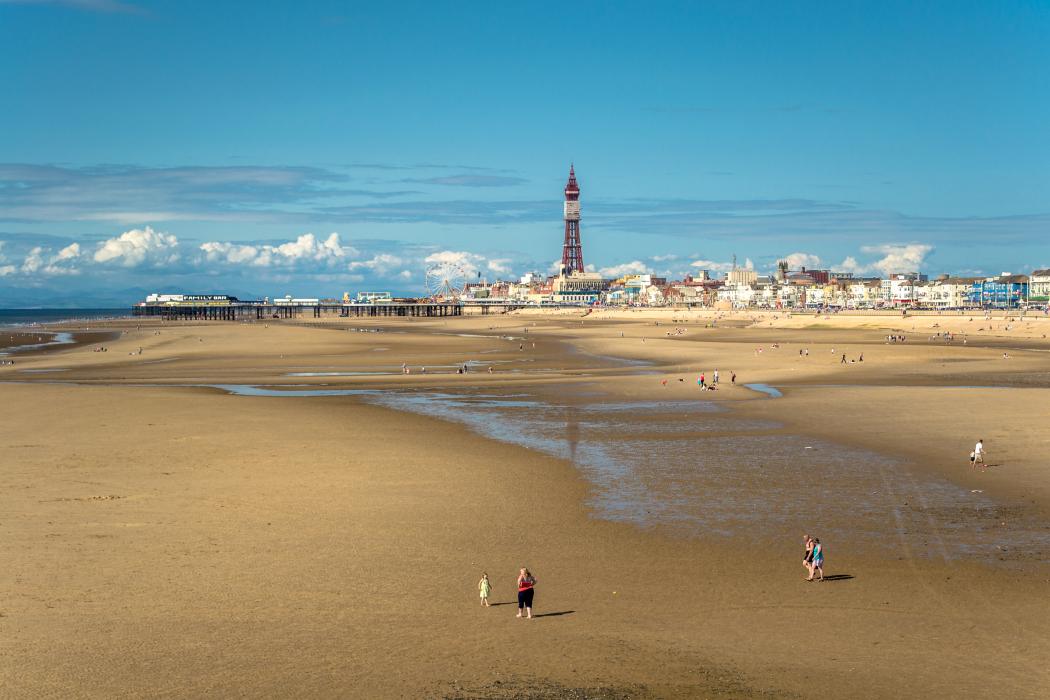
[501, 266]
[70, 252]
[138, 246]
[233, 253]
[307, 248]
[6, 270]
[850, 264]
[382, 264]
[908, 257]
[635, 267]
[39, 260]
[796, 261]
[748, 265]
[665, 258]
[712, 265]
[34, 260]
[468, 262]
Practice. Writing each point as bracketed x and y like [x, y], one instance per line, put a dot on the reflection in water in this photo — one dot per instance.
[572, 431]
[771, 392]
[59, 338]
[693, 468]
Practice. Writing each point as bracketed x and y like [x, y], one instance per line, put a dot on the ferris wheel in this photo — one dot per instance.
[446, 280]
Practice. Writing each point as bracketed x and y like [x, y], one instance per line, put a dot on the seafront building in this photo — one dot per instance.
[1039, 287]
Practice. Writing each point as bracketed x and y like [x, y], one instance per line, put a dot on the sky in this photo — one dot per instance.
[315, 148]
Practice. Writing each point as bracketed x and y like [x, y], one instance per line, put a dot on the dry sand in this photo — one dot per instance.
[175, 541]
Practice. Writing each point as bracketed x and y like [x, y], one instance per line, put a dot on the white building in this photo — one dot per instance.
[741, 276]
[1039, 286]
[950, 293]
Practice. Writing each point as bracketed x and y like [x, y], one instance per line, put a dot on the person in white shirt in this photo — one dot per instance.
[977, 455]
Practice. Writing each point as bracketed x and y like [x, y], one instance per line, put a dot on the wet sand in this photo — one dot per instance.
[16, 342]
[181, 541]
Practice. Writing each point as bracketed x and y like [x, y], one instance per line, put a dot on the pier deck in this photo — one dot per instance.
[259, 312]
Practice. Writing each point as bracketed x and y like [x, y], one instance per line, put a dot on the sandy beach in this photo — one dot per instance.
[169, 534]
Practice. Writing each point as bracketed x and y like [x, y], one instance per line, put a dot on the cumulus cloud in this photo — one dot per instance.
[469, 262]
[137, 247]
[500, 266]
[307, 248]
[635, 267]
[232, 253]
[6, 270]
[381, 264]
[33, 261]
[796, 261]
[850, 264]
[39, 260]
[908, 257]
[70, 252]
[712, 265]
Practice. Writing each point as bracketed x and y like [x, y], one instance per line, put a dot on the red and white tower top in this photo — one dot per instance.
[572, 249]
[572, 190]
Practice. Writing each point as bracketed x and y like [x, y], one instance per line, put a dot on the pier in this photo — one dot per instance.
[259, 311]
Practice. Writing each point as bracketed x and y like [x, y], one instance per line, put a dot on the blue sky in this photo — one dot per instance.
[218, 146]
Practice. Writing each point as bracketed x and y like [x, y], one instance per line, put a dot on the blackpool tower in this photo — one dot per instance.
[572, 250]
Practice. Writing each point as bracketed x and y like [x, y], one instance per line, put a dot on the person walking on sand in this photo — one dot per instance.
[701, 382]
[732, 378]
[818, 560]
[716, 377]
[526, 584]
[978, 455]
[807, 555]
[843, 360]
[484, 588]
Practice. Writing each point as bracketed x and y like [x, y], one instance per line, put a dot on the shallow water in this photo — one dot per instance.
[276, 392]
[694, 469]
[59, 338]
[771, 392]
[336, 374]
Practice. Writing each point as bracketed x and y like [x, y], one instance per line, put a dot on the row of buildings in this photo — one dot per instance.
[786, 289]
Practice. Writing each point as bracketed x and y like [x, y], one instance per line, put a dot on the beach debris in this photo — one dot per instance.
[808, 447]
[976, 491]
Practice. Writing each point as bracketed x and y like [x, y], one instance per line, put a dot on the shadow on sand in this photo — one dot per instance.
[506, 602]
[838, 577]
[555, 614]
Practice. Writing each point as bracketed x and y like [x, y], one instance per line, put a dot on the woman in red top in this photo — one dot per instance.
[525, 592]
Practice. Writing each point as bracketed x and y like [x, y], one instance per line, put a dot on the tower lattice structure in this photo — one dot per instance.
[572, 250]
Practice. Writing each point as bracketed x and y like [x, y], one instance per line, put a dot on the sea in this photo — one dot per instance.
[26, 317]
